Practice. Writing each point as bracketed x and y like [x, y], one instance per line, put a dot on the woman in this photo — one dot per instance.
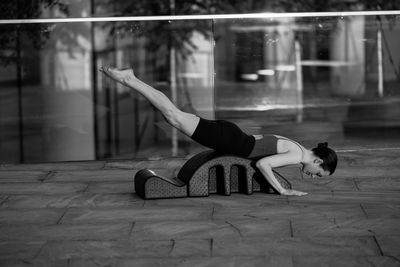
[270, 151]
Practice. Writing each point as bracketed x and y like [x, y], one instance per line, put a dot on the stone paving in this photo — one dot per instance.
[87, 214]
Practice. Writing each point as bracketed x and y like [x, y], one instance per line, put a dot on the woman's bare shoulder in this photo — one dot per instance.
[285, 144]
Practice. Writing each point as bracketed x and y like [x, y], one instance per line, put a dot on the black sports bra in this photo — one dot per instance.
[267, 146]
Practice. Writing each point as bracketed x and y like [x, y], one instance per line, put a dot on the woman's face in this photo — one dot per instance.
[314, 170]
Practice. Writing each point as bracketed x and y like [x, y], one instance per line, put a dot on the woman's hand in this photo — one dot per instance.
[291, 192]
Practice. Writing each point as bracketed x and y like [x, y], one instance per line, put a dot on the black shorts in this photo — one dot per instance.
[224, 137]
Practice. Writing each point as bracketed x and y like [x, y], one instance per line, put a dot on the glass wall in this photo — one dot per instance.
[312, 79]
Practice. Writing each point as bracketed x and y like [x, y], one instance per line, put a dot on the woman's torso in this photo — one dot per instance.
[270, 144]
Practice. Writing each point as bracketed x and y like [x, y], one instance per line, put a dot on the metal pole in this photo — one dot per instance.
[299, 80]
[95, 84]
[19, 91]
[174, 96]
[380, 64]
[20, 96]
[136, 119]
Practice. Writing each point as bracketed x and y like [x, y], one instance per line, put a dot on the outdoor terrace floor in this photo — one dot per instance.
[86, 214]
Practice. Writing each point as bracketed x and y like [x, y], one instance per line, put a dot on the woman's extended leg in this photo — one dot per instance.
[184, 122]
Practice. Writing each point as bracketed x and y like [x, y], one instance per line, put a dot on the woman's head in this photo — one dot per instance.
[323, 163]
[327, 155]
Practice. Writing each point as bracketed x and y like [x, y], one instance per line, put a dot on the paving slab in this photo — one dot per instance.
[3, 199]
[390, 245]
[126, 262]
[304, 227]
[114, 231]
[103, 175]
[373, 196]
[378, 158]
[75, 165]
[295, 246]
[30, 216]
[161, 163]
[134, 214]
[20, 250]
[210, 229]
[191, 248]
[92, 176]
[269, 212]
[111, 188]
[345, 227]
[380, 184]
[290, 211]
[326, 184]
[72, 200]
[348, 197]
[33, 262]
[37, 201]
[251, 227]
[41, 188]
[329, 210]
[106, 200]
[366, 172]
[186, 262]
[242, 200]
[384, 210]
[182, 230]
[21, 176]
[346, 261]
[376, 226]
[238, 261]
[216, 200]
[106, 249]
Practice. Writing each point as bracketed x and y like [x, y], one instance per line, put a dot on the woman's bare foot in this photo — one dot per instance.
[121, 76]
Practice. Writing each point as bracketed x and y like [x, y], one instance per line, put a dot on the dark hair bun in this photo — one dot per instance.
[323, 145]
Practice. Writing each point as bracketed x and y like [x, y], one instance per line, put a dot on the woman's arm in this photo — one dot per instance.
[266, 164]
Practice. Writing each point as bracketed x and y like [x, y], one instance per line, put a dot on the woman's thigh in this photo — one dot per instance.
[187, 122]
[223, 136]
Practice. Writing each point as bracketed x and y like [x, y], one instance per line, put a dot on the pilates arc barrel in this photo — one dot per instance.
[205, 173]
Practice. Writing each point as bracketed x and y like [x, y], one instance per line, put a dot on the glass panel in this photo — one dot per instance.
[311, 79]
[58, 107]
[10, 96]
[47, 80]
[174, 57]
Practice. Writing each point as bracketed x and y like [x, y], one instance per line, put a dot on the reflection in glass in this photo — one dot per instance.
[332, 76]
[174, 57]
